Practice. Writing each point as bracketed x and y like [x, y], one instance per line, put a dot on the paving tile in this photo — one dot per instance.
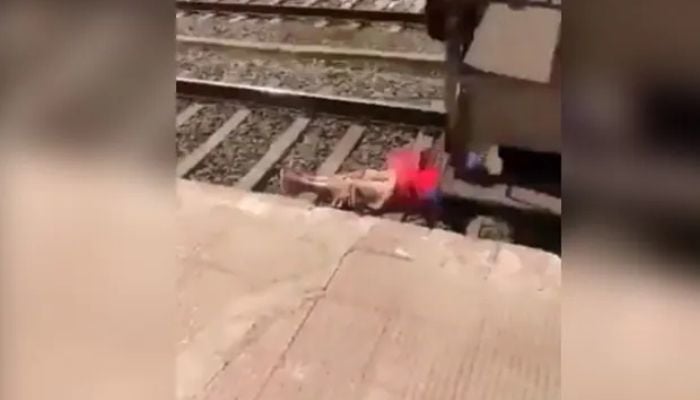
[398, 286]
[336, 231]
[238, 324]
[250, 368]
[328, 358]
[407, 241]
[418, 359]
[261, 255]
[201, 298]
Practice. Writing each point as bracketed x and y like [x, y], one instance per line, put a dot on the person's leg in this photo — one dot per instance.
[332, 189]
[378, 175]
[363, 189]
[359, 174]
[366, 174]
[294, 183]
[373, 190]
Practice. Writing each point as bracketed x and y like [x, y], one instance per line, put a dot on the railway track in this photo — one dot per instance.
[380, 11]
[241, 136]
[307, 25]
[308, 33]
[375, 33]
[405, 11]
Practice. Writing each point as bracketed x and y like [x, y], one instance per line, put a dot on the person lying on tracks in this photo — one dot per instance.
[409, 183]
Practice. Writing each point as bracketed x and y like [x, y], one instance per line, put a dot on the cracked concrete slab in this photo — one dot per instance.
[281, 300]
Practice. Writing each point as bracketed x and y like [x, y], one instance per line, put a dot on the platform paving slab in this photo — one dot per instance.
[281, 300]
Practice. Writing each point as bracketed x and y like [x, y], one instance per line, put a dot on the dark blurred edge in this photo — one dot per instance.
[637, 168]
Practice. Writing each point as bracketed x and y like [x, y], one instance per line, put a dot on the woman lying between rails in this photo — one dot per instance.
[409, 183]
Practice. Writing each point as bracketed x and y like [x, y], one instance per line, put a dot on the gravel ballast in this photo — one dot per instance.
[311, 31]
[316, 76]
[242, 149]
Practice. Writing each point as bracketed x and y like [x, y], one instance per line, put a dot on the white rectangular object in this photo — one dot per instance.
[517, 43]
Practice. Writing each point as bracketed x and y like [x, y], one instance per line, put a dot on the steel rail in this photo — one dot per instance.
[352, 107]
[422, 60]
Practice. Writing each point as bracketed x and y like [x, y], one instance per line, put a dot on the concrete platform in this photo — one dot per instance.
[278, 300]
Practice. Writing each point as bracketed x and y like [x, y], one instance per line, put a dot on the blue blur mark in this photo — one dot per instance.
[434, 197]
[475, 161]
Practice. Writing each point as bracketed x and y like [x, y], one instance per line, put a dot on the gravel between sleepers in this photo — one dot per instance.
[201, 125]
[377, 140]
[325, 77]
[311, 31]
[243, 148]
[394, 5]
[318, 3]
